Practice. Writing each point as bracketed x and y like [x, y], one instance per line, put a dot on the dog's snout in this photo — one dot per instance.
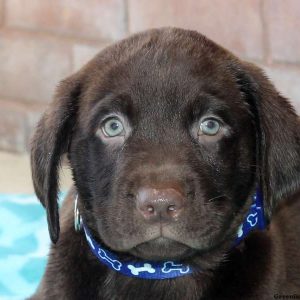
[158, 205]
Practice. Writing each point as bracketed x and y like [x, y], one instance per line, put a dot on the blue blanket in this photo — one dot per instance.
[24, 244]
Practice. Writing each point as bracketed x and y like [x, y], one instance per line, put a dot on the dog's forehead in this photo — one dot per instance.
[166, 69]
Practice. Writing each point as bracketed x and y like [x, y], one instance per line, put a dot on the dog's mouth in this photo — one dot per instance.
[162, 248]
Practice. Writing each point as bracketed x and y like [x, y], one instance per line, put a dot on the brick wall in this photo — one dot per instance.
[43, 41]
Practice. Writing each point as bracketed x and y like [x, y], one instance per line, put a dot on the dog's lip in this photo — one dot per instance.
[161, 248]
[157, 239]
[160, 240]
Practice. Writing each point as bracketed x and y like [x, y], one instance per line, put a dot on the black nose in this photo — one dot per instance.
[158, 205]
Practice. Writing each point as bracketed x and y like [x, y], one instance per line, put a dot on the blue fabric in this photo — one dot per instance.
[24, 245]
[254, 219]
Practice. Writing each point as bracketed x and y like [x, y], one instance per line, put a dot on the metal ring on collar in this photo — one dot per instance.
[77, 217]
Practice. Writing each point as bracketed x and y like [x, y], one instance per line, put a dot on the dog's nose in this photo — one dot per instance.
[160, 204]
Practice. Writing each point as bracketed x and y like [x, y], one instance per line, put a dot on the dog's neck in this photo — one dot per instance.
[171, 269]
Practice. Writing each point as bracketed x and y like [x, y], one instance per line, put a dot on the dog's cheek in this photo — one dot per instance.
[230, 175]
[237, 161]
[113, 207]
[93, 167]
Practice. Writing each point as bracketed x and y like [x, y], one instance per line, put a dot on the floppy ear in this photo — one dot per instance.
[50, 141]
[278, 138]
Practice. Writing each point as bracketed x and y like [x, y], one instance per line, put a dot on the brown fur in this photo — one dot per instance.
[162, 81]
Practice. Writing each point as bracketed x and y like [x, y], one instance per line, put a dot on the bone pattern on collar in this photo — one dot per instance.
[170, 269]
[144, 269]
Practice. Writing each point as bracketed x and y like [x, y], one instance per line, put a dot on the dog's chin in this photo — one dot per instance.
[162, 249]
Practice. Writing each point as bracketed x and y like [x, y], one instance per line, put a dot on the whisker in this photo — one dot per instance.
[220, 196]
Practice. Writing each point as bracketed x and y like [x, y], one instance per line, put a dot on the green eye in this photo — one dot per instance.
[113, 127]
[210, 127]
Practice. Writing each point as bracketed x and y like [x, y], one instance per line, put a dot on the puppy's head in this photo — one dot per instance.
[168, 135]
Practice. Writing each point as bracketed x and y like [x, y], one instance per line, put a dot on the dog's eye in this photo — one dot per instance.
[209, 127]
[113, 127]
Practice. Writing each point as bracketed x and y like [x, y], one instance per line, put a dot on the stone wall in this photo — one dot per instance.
[43, 41]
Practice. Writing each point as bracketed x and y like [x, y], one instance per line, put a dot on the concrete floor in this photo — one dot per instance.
[15, 174]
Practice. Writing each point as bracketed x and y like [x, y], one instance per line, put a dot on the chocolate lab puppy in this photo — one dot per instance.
[186, 168]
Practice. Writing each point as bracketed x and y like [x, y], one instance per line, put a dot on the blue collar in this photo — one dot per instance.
[170, 269]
